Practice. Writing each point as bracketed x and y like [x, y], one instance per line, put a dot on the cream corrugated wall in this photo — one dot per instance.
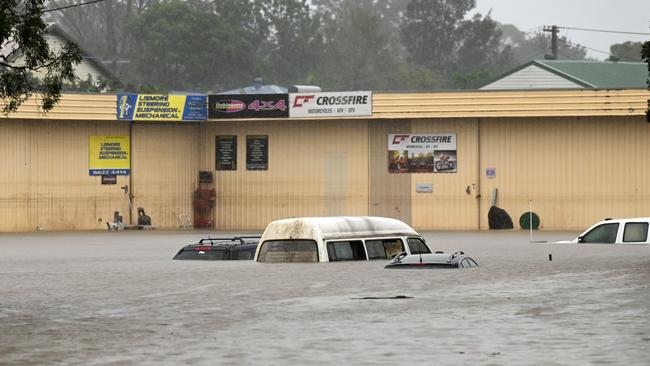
[390, 194]
[165, 162]
[453, 203]
[576, 171]
[44, 180]
[316, 168]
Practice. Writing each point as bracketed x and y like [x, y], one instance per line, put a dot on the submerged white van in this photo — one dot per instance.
[342, 238]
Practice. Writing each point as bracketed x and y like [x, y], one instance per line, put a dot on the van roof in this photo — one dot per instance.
[335, 227]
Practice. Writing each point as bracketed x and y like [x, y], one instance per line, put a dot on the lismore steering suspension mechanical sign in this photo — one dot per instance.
[159, 107]
[335, 104]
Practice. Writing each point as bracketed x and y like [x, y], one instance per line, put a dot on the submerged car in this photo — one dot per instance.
[228, 248]
[457, 259]
[339, 238]
[616, 231]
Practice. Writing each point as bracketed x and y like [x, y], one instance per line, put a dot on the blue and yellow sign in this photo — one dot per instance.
[109, 155]
[159, 107]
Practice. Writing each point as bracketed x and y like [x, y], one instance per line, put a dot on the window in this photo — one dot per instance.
[208, 253]
[635, 232]
[346, 251]
[384, 248]
[241, 254]
[417, 246]
[288, 251]
[605, 233]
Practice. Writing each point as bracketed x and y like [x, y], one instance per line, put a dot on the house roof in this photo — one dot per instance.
[592, 74]
[55, 30]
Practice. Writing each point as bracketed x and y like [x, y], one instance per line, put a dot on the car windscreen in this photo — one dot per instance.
[288, 251]
[417, 246]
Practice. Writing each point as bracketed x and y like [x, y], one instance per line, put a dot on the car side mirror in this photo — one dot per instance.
[581, 239]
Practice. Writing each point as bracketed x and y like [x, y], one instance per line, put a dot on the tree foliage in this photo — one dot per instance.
[535, 46]
[626, 51]
[26, 54]
[208, 45]
[182, 47]
[645, 57]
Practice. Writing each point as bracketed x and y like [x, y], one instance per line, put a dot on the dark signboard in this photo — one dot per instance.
[248, 106]
[109, 179]
[226, 152]
[257, 152]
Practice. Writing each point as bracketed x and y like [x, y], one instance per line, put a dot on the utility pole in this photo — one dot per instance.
[554, 29]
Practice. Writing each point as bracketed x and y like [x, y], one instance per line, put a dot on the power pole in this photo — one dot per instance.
[554, 29]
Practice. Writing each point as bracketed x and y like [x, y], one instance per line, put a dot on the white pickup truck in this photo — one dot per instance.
[616, 231]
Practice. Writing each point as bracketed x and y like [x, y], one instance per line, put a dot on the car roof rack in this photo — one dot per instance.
[241, 239]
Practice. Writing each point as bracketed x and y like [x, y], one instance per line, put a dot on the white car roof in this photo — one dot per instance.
[634, 219]
[336, 227]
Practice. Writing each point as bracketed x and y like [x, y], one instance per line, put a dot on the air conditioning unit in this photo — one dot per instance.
[304, 89]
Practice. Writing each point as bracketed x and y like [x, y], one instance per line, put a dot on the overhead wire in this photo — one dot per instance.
[72, 6]
[604, 31]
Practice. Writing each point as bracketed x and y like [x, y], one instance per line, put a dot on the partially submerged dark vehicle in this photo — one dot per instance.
[456, 259]
[230, 248]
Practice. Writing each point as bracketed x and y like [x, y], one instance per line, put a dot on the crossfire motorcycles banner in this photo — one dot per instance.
[338, 104]
[422, 153]
[248, 106]
[158, 107]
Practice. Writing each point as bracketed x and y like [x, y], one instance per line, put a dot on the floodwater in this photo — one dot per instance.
[118, 299]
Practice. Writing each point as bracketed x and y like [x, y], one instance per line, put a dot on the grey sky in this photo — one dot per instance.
[620, 15]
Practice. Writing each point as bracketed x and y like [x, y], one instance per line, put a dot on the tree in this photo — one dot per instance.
[430, 30]
[480, 55]
[188, 46]
[627, 51]
[536, 46]
[102, 29]
[356, 52]
[27, 63]
[466, 52]
[294, 42]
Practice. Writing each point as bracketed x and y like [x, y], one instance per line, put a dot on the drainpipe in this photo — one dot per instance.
[478, 170]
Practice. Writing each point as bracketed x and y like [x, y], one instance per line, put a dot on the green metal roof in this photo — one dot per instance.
[599, 74]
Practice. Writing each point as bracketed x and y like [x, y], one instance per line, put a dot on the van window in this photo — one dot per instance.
[346, 251]
[417, 246]
[605, 233]
[288, 251]
[384, 248]
[635, 232]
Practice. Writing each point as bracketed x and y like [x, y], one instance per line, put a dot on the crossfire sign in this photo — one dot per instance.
[336, 104]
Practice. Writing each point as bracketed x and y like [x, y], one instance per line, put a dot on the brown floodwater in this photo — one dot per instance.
[117, 298]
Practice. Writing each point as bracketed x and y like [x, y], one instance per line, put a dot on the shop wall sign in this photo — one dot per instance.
[109, 155]
[248, 106]
[226, 152]
[422, 153]
[159, 107]
[338, 104]
[257, 152]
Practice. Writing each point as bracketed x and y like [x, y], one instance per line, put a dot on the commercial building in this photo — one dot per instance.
[577, 155]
